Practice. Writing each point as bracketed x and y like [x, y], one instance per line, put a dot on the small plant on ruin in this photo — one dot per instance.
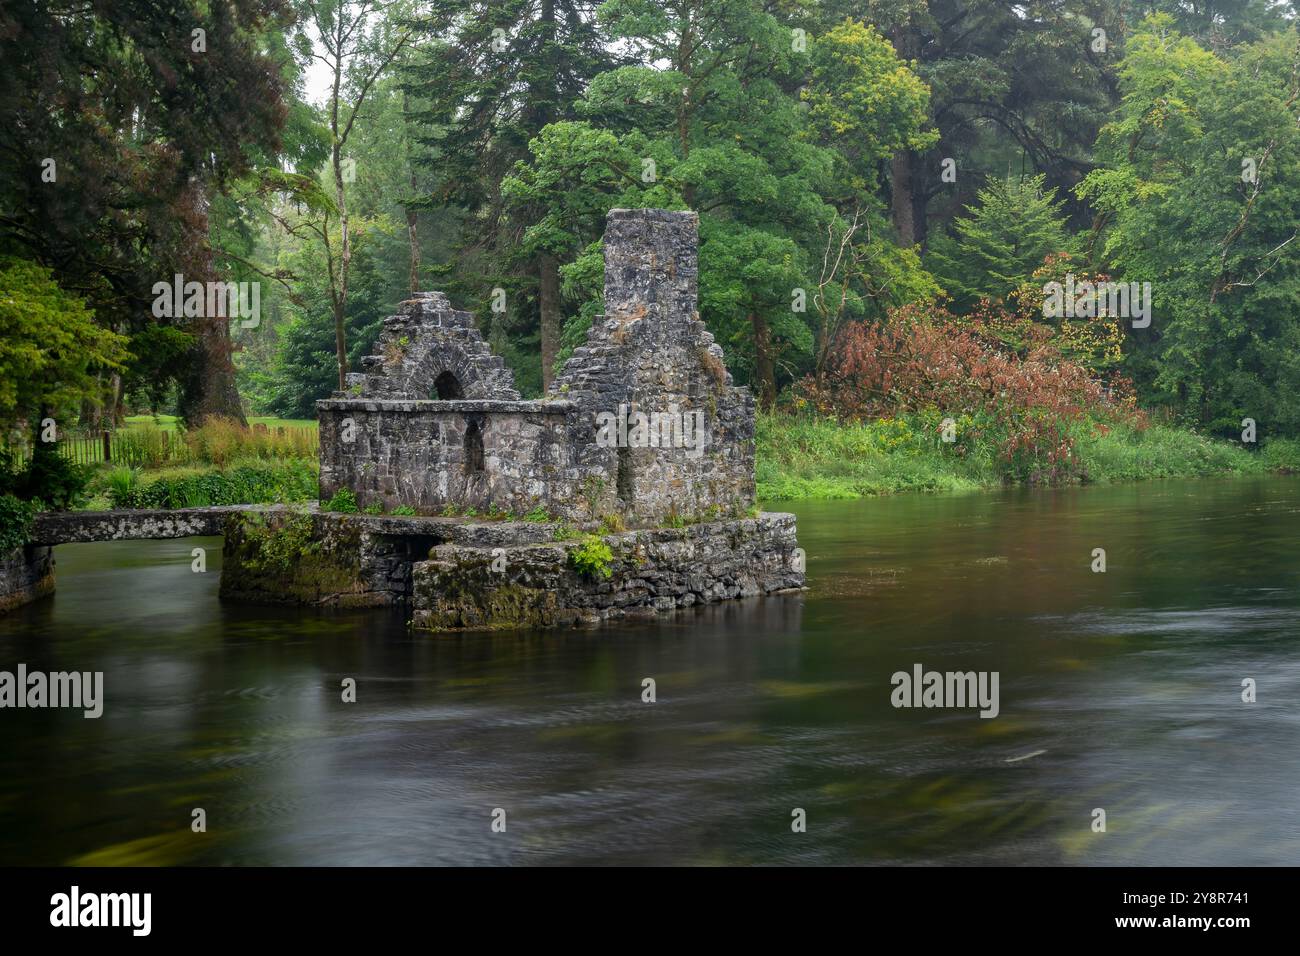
[272, 549]
[592, 557]
[564, 532]
[470, 512]
[449, 511]
[375, 509]
[539, 515]
[343, 502]
[404, 511]
[613, 523]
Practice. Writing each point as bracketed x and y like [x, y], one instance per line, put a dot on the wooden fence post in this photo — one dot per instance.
[108, 447]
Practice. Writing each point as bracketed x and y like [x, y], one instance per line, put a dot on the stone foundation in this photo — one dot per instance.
[455, 574]
[26, 575]
[536, 585]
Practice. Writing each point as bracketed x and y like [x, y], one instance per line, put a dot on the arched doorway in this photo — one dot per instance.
[447, 387]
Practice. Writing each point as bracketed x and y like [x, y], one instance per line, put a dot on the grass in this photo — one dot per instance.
[242, 482]
[824, 459]
[169, 422]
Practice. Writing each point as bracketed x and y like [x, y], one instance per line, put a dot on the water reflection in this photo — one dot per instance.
[1119, 690]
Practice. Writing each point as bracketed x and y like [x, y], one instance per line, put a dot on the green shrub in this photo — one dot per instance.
[343, 502]
[120, 484]
[245, 484]
[276, 547]
[404, 511]
[15, 522]
[592, 557]
[53, 480]
[375, 509]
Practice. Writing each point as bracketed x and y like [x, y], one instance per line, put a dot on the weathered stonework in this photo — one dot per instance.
[434, 423]
[651, 571]
[291, 557]
[26, 575]
[421, 433]
[432, 351]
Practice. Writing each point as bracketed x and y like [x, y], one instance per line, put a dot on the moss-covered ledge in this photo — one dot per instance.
[647, 571]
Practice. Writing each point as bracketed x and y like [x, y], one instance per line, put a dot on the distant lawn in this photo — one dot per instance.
[168, 422]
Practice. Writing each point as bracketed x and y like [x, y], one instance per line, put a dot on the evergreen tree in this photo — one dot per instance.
[492, 74]
[1014, 226]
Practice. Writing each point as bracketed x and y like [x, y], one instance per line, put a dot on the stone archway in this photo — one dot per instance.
[446, 387]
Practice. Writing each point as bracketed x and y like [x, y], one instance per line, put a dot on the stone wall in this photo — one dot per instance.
[316, 559]
[651, 355]
[26, 575]
[651, 571]
[585, 452]
[511, 456]
[431, 351]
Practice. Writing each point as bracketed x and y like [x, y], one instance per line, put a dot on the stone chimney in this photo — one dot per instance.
[651, 265]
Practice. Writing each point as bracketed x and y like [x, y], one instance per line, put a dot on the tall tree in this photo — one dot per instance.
[117, 124]
[500, 71]
[358, 40]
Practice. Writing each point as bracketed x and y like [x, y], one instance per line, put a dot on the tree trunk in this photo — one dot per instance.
[907, 213]
[413, 237]
[412, 217]
[764, 362]
[211, 390]
[902, 201]
[549, 284]
[214, 390]
[345, 260]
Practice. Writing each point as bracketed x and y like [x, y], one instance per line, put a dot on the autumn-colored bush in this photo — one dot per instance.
[1024, 397]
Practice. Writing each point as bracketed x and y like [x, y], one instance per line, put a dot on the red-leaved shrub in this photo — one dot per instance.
[922, 359]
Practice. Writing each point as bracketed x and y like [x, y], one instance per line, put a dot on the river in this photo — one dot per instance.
[1119, 691]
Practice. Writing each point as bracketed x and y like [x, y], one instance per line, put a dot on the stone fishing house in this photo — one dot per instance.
[628, 488]
[435, 420]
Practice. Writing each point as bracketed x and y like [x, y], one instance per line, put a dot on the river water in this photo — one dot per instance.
[1119, 691]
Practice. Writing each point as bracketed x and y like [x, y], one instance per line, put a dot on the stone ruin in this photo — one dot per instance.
[643, 420]
[434, 423]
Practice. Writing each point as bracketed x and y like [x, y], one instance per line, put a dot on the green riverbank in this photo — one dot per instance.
[809, 458]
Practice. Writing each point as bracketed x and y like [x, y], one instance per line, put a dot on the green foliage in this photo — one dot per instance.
[120, 483]
[50, 346]
[278, 546]
[404, 511]
[1016, 224]
[592, 557]
[807, 457]
[145, 445]
[343, 502]
[246, 483]
[1217, 248]
[52, 480]
[374, 509]
[865, 100]
[15, 522]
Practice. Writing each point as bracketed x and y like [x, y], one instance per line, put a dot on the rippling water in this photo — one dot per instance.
[1119, 690]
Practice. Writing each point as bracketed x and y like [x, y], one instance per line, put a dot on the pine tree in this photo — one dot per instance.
[1015, 224]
